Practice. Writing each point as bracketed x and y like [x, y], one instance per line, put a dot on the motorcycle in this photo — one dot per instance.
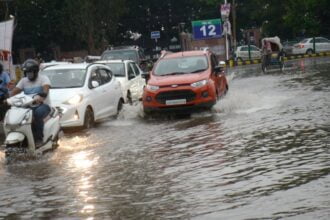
[19, 140]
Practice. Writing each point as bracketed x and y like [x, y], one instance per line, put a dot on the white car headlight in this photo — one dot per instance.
[199, 83]
[74, 100]
[152, 88]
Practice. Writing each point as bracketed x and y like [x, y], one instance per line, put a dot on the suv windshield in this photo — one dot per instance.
[120, 55]
[181, 65]
[117, 69]
[65, 78]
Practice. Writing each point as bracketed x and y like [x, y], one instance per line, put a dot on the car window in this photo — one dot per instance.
[95, 76]
[254, 48]
[305, 41]
[214, 61]
[118, 69]
[120, 55]
[244, 49]
[105, 75]
[65, 78]
[181, 65]
[130, 72]
[135, 68]
[323, 40]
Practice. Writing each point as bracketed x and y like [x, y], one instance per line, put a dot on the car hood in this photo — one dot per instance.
[58, 96]
[177, 79]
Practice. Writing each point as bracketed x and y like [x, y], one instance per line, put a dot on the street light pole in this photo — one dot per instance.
[226, 38]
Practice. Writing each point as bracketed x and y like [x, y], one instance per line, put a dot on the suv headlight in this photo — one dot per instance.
[199, 83]
[74, 100]
[152, 88]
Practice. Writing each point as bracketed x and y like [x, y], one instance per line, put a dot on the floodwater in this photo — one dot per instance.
[262, 153]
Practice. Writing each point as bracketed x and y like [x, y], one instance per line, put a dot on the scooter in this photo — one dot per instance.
[19, 140]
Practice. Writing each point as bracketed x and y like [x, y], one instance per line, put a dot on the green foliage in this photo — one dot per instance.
[89, 24]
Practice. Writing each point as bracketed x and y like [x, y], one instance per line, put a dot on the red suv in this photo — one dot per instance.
[186, 80]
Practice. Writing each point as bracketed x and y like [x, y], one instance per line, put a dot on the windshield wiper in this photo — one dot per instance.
[174, 73]
[199, 70]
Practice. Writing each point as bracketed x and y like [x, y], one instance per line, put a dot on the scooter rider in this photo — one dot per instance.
[33, 83]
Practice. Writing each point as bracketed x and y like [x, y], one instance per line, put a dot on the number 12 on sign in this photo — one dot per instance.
[207, 29]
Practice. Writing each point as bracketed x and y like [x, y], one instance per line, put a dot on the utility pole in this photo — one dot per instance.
[234, 24]
[226, 38]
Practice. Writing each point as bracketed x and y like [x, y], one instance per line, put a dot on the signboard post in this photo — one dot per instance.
[155, 35]
[206, 29]
[225, 11]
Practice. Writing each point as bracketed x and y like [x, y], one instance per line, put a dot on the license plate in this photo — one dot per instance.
[176, 102]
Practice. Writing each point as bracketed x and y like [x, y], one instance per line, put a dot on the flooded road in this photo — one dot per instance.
[262, 153]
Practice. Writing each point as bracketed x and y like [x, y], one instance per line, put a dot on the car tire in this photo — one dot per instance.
[89, 118]
[309, 51]
[239, 59]
[129, 98]
[120, 106]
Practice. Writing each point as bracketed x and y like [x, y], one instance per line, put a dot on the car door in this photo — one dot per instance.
[109, 92]
[138, 80]
[133, 81]
[244, 53]
[96, 94]
[255, 52]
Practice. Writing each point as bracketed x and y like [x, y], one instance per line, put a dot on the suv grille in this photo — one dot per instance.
[172, 95]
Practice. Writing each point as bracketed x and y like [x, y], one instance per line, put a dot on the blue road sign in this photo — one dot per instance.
[206, 29]
[155, 34]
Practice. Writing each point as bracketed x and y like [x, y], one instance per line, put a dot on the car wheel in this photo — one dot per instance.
[120, 106]
[239, 59]
[309, 51]
[129, 98]
[89, 118]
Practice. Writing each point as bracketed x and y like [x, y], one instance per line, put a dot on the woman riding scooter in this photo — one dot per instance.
[31, 84]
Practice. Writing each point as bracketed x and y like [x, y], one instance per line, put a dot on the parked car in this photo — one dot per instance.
[306, 46]
[134, 53]
[288, 47]
[85, 93]
[129, 75]
[242, 52]
[52, 63]
[184, 81]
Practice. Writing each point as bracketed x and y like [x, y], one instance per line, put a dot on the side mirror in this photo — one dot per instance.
[95, 84]
[145, 75]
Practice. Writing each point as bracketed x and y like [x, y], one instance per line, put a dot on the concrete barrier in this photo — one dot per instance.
[232, 62]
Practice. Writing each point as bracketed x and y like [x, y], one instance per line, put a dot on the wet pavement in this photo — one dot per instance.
[262, 153]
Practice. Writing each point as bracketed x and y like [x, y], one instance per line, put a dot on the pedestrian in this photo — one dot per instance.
[4, 80]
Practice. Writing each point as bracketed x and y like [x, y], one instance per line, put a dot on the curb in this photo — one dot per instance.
[232, 63]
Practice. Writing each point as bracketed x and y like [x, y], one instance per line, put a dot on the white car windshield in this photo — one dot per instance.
[65, 78]
[181, 65]
[118, 69]
[120, 55]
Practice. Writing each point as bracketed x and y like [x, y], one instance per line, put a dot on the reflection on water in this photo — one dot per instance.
[262, 153]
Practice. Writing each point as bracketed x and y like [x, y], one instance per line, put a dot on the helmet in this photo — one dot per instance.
[31, 69]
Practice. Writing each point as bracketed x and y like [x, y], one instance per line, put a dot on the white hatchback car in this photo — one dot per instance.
[129, 75]
[85, 93]
[242, 52]
[306, 46]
